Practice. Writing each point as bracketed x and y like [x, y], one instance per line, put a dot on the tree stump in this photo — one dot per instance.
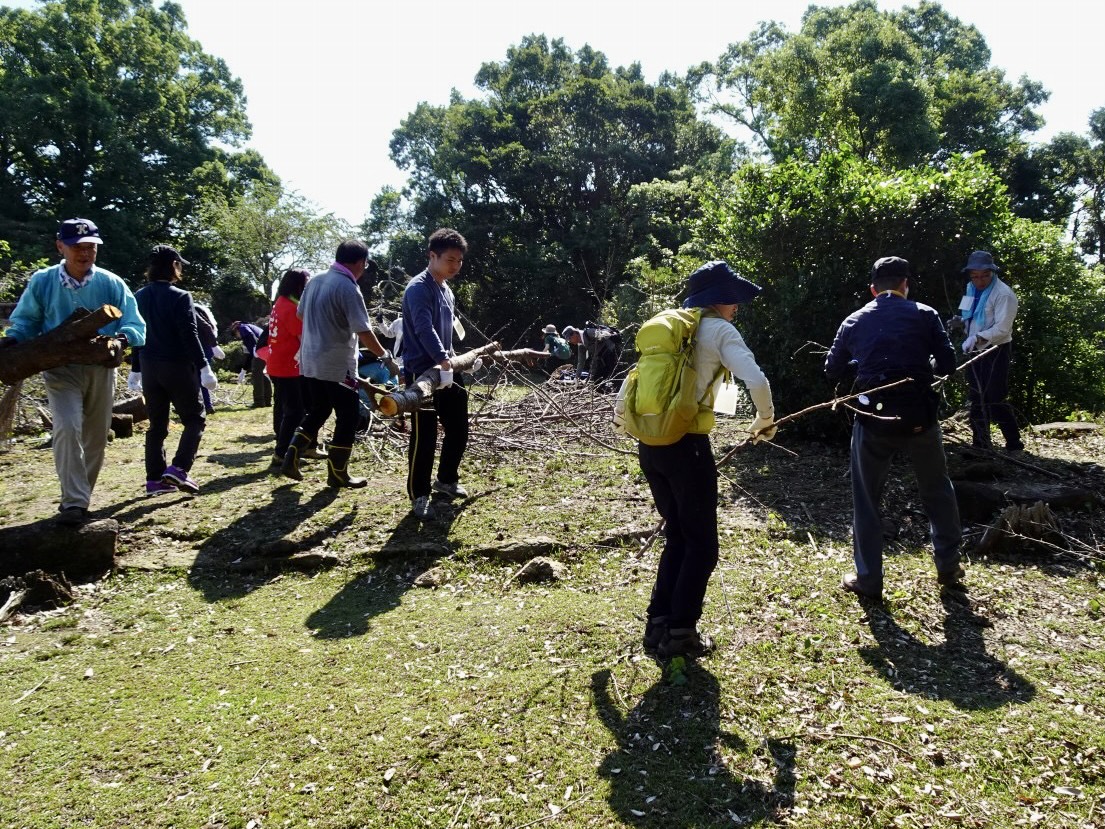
[78, 552]
[74, 341]
[122, 425]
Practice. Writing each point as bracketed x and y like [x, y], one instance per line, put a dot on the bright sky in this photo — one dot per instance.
[328, 81]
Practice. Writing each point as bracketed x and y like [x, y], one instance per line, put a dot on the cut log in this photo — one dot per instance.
[411, 398]
[122, 425]
[74, 341]
[78, 552]
[133, 406]
[7, 408]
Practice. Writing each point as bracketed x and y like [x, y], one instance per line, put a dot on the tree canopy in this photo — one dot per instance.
[539, 172]
[109, 110]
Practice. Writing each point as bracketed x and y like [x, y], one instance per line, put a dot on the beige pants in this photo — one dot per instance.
[80, 403]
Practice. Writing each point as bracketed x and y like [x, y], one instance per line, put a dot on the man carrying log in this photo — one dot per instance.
[428, 343]
[79, 395]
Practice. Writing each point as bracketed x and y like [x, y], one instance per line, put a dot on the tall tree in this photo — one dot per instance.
[894, 87]
[539, 173]
[109, 110]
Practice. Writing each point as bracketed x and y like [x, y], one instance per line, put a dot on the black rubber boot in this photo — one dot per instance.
[290, 467]
[337, 472]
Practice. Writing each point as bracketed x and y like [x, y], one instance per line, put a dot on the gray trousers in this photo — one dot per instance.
[870, 464]
[80, 399]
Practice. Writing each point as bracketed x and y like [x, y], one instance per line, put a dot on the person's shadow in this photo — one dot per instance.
[413, 545]
[958, 669]
[668, 769]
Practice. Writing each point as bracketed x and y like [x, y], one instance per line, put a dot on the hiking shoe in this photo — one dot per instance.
[72, 516]
[179, 478]
[159, 488]
[422, 507]
[687, 642]
[654, 633]
[450, 490]
[951, 578]
[852, 584]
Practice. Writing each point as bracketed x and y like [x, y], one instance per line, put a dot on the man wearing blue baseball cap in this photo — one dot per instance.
[892, 340]
[80, 396]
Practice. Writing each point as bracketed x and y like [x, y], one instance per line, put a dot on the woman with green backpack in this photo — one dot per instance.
[678, 461]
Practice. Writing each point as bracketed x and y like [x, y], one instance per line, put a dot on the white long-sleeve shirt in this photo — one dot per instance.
[719, 343]
[997, 321]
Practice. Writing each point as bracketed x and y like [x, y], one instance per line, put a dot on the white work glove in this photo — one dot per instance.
[969, 344]
[477, 365]
[766, 423]
[134, 381]
[218, 353]
[446, 378]
[208, 379]
[241, 376]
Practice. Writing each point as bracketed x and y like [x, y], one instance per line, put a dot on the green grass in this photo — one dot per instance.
[199, 693]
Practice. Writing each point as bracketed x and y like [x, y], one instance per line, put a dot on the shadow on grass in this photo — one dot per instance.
[379, 589]
[212, 571]
[668, 769]
[959, 670]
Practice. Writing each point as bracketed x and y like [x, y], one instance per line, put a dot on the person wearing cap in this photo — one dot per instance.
[598, 350]
[428, 308]
[172, 366]
[988, 309]
[683, 476]
[250, 335]
[80, 396]
[334, 319]
[891, 339]
[557, 347]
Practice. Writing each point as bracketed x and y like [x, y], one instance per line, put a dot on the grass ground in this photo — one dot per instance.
[208, 684]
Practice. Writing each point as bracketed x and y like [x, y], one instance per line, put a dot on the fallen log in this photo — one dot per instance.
[74, 341]
[390, 404]
[78, 552]
[133, 406]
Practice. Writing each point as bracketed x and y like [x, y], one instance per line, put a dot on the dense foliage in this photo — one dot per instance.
[109, 110]
[809, 230]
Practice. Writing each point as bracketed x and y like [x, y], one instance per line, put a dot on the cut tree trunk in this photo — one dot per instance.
[133, 406]
[74, 341]
[410, 399]
[122, 425]
[78, 552]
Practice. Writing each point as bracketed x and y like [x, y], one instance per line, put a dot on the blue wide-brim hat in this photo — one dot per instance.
[980, 260]
[715, 283]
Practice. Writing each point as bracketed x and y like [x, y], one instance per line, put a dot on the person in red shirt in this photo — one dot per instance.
[285, 329]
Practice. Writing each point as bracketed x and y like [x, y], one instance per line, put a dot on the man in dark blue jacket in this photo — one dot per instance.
[893, 339]
[428, 343]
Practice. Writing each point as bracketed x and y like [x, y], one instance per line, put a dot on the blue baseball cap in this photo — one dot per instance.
[76, 231]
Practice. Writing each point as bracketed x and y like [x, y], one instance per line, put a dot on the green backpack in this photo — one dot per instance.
[658, 403]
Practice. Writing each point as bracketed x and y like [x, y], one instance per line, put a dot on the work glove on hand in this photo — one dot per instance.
[956, 327]
[218, 353]
[134, 381]
[477, 365]
[208, 379]
[969, 344]
[446, 378]
[389, 363]
[241, 376]
[763, 428]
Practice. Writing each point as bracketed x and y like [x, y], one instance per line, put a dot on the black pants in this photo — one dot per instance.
[177, 383]
[262, 391]
[450, 408]
[328, 396]
[290, 404]
[683, 480]
[988, 386]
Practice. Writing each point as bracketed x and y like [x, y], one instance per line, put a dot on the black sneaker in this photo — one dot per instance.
[72, 516]
[951, 578]
[455, 490]
[654, 633]
[686, 642]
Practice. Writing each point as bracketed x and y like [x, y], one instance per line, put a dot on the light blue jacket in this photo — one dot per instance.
[46, 303]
